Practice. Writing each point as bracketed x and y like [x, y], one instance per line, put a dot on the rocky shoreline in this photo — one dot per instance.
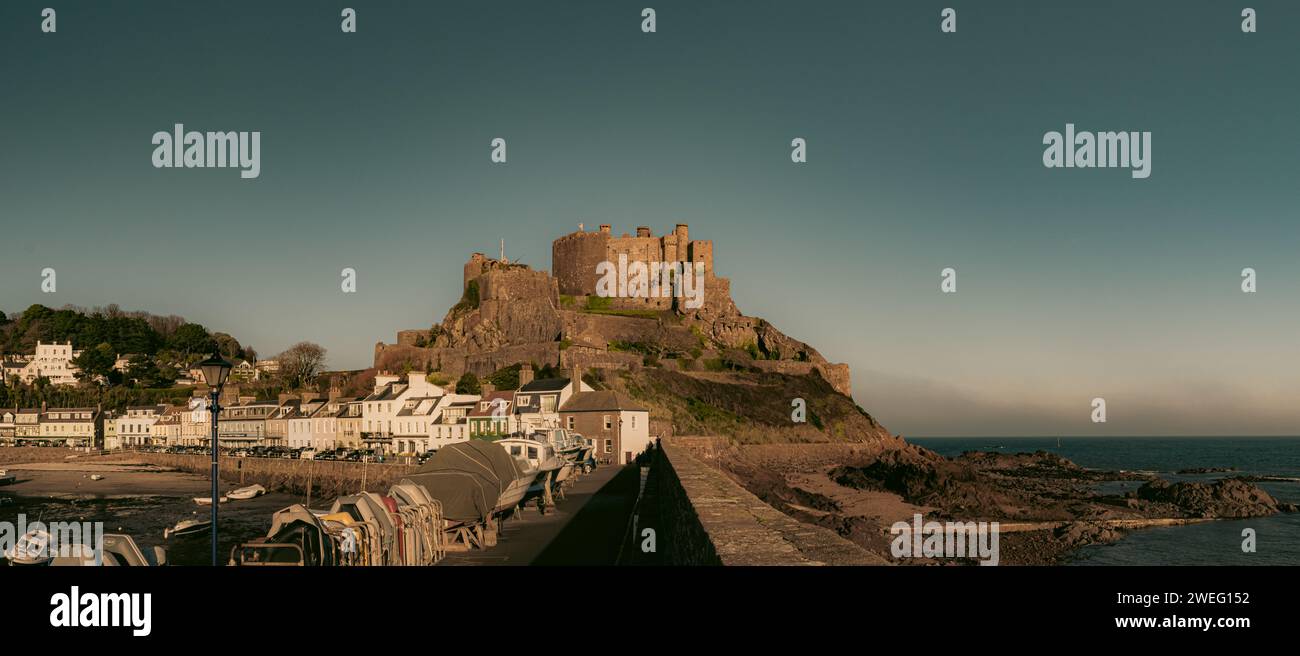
[1047, 506]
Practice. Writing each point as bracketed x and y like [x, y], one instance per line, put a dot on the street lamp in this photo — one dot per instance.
[215, 371]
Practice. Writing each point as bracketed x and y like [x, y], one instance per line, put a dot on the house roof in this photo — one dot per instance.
[601, 401]
[481, 411]
[546, 385]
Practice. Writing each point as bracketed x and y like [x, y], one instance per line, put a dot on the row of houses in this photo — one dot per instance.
[400, 417]
[54, 362]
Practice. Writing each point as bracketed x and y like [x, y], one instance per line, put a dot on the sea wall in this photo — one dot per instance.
[706, 518]
[326, 478]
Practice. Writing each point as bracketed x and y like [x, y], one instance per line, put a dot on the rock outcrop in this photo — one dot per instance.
[512, 314]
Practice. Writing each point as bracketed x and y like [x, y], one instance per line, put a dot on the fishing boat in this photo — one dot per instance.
[6, 478]
[187, 527]
[207, 501]
[244, 493]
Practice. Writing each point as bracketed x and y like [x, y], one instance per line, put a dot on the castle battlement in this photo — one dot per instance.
[574, 256]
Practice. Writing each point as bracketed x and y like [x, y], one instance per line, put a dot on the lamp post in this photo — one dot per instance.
[215, 371]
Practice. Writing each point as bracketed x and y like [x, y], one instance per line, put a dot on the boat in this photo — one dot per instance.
[31, 548]
[96, 477]
[541, 456]
[475, 480]
[207, 501]
[6, 478]
[298, 537]
[249, 492]
[367, 515]
[187, 527]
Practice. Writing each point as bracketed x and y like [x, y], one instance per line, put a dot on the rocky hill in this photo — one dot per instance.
[703, 369]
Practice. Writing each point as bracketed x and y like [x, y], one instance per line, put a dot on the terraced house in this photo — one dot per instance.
[73, 426]
[244, 424]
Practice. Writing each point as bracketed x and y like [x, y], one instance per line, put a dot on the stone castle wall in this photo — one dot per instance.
[574, 256]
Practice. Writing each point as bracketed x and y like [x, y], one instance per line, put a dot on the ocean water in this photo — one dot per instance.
[1211, 543]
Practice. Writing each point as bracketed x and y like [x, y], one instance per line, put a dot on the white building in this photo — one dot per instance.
[538, 402]
[135, 428]
[52, 361]
[380, 410]
[326, 432]
[298, 424]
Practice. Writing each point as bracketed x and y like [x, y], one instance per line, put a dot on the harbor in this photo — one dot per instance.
[473, 503]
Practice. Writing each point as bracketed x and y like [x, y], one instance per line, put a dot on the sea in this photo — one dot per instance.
[1210, 543]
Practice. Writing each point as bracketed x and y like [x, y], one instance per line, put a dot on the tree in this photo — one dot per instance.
[192, 338]
[300, 363]
[228, 346]
[148, 374]
[468, 384]
[95, 363]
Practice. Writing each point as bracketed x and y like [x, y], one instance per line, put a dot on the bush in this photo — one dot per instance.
[468, 384]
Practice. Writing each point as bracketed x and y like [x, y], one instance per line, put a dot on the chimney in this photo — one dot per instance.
[643, 231]
[575, 376]
[487, 388]
[604, 228]
[525, 374]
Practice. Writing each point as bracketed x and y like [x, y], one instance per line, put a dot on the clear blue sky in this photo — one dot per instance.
[925, 152]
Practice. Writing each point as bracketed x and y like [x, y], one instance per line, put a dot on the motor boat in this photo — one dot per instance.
[187, 527]
[540, 455]
[245, 493]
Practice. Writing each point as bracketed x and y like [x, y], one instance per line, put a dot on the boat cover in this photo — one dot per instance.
[468, 478]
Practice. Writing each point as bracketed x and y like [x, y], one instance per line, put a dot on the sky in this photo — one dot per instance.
[925, 151]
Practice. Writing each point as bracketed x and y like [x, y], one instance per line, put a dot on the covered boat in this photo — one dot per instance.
[474, 480]
[297, 537]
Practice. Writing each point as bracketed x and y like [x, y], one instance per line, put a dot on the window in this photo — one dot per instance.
[608, 423]
[522, 400]
[569, 422]
[633, 421]
[609, 446]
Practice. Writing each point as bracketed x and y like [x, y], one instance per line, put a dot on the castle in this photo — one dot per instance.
[510, 313]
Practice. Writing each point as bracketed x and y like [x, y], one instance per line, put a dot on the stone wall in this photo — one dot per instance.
[705, 518]
[573, 261]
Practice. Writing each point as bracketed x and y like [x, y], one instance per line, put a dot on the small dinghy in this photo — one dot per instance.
[207, 501]
[6, 478]
[96, 477]
[187, 527]
[249, 492]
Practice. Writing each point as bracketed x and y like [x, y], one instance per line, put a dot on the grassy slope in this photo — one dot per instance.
[752, 408]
